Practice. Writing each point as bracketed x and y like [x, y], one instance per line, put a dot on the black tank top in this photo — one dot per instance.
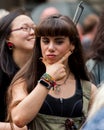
[70, 107]
[5, 81]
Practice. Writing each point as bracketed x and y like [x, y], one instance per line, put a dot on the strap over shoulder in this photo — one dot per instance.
[86, 88]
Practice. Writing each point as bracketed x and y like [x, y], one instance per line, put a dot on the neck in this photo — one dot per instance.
[63, 81]
[20, 58]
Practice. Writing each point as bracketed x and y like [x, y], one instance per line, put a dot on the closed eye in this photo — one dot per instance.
[59, 41]
[45, 40]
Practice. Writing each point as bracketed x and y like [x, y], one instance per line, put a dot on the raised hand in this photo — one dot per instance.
[58, 69]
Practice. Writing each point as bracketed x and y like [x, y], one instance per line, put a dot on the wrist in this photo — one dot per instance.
[47, 81]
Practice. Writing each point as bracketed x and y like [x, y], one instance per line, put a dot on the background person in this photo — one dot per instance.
[17, 39]
[95, 57]
[89, 28]
[48, 11]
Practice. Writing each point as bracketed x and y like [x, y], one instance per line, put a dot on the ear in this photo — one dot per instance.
[7, 39]
[72, 47]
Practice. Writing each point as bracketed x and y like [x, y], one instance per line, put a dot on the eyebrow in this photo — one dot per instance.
[53, 36]
[28, 24]
[60, 37]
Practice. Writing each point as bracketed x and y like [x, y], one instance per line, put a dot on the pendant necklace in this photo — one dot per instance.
[57, 88]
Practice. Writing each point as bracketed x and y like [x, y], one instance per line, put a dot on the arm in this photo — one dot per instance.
[6, 126]
[24, 106]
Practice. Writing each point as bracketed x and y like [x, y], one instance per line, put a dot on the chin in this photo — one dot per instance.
[51, 62]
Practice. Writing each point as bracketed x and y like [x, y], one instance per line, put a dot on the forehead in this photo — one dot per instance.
[22, 19]
[55, 26]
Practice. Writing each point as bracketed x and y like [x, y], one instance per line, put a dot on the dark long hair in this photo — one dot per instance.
[96, 51]
[6, 60]
[56, 25]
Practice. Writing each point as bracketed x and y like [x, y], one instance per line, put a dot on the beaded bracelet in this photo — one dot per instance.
[49, 79]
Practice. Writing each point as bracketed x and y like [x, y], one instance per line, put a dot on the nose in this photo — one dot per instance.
[32, 31]
[51, 46]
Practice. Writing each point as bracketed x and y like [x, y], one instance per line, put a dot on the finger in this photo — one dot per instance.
[44, 61]
[65, 57]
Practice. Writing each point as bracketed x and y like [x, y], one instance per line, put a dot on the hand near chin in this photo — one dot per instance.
[58, 69]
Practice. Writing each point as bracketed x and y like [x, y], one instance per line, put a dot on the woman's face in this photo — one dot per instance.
[54, 48]
[22, 35]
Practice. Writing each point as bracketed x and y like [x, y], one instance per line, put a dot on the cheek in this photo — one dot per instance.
[23, 36]
[18, 37]
[65, 49]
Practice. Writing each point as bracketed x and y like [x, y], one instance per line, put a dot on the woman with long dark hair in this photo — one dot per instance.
[16, 46]
[48, 92]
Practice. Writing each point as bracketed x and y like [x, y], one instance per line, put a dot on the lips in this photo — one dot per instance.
[31, 39]
[51, 56]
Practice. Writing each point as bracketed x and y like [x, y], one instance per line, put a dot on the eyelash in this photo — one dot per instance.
[57, 41]
[45, 41]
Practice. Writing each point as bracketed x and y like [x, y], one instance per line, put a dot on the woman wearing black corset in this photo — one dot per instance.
[48, 92]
